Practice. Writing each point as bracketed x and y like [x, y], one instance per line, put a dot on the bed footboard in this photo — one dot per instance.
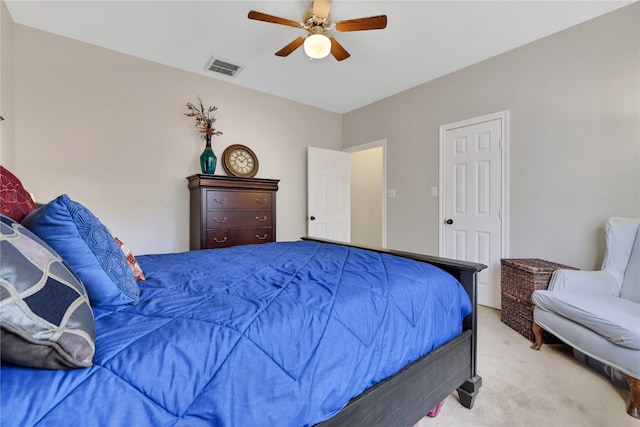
[406, 397]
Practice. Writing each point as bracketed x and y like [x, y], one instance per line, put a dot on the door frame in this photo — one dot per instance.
[367, 146]
[504, 184]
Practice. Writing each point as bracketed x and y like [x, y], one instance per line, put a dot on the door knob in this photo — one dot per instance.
[313, 218]
[449, 221]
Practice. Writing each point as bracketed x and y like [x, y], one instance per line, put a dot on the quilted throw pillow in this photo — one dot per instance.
[88, 247]
[45, 317]
[15, 201]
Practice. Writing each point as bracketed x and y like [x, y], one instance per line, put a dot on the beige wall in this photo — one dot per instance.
[574, 99]
[108, 129]
[7, 144]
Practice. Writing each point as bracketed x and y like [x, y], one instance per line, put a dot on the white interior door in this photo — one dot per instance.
[328, 194]
[472, 203]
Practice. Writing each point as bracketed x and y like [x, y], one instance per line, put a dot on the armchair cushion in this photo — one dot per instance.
[594, 282]
[616, 319]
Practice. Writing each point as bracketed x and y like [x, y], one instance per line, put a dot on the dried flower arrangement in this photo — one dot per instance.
[205, 118]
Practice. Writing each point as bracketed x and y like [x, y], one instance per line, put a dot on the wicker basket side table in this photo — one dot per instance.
[519, 278]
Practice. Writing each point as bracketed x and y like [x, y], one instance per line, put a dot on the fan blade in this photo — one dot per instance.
[360, 24]
[259, 16]
[285, 51]
[337, 50]
[321, 8]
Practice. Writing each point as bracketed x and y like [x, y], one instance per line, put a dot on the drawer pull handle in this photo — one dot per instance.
[261, 201]
[220, 241]
[219, 201]
[264, 237]
[220, 220]
[264, 218]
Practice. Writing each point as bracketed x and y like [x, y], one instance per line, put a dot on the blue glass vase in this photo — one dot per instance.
[208, 159]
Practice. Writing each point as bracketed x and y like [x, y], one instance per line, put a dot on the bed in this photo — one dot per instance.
[298, 333]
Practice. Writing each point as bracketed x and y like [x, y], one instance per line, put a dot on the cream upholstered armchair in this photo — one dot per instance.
[598, 312]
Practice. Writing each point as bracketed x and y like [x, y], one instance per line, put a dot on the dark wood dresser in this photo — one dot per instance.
[229, 211]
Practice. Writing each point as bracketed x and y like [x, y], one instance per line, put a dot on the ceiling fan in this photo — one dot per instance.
[316, 22]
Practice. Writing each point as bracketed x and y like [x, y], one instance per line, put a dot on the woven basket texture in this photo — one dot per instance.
[520, 277]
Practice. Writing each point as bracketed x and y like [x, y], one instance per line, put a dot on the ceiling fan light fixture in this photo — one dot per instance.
[317, 46]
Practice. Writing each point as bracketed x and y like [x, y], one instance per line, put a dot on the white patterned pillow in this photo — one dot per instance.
[45, 317]
[133, 262]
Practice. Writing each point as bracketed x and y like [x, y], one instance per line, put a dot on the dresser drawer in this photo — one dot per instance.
[238, 200]
[239, 236]
[221, 218]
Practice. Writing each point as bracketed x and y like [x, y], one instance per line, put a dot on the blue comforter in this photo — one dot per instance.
[279, 334]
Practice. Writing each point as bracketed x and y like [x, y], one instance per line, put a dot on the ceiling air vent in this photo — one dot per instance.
[224, 67]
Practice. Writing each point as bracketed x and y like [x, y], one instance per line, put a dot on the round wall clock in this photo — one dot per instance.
[238, 160]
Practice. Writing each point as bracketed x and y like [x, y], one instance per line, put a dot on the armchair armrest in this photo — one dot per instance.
[593, 282]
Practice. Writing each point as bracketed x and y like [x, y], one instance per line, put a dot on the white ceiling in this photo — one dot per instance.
[423, 39]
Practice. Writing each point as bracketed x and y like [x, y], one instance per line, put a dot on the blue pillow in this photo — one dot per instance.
[45, 320]
[87, 246]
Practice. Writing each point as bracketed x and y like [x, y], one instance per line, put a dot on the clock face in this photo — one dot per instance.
[239, 160]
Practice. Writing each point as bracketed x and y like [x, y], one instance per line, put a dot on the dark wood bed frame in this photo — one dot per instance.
[406, 397]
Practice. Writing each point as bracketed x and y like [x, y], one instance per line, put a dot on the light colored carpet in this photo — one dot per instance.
[524, 387]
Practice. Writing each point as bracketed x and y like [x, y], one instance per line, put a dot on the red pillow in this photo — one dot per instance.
[15, 201]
